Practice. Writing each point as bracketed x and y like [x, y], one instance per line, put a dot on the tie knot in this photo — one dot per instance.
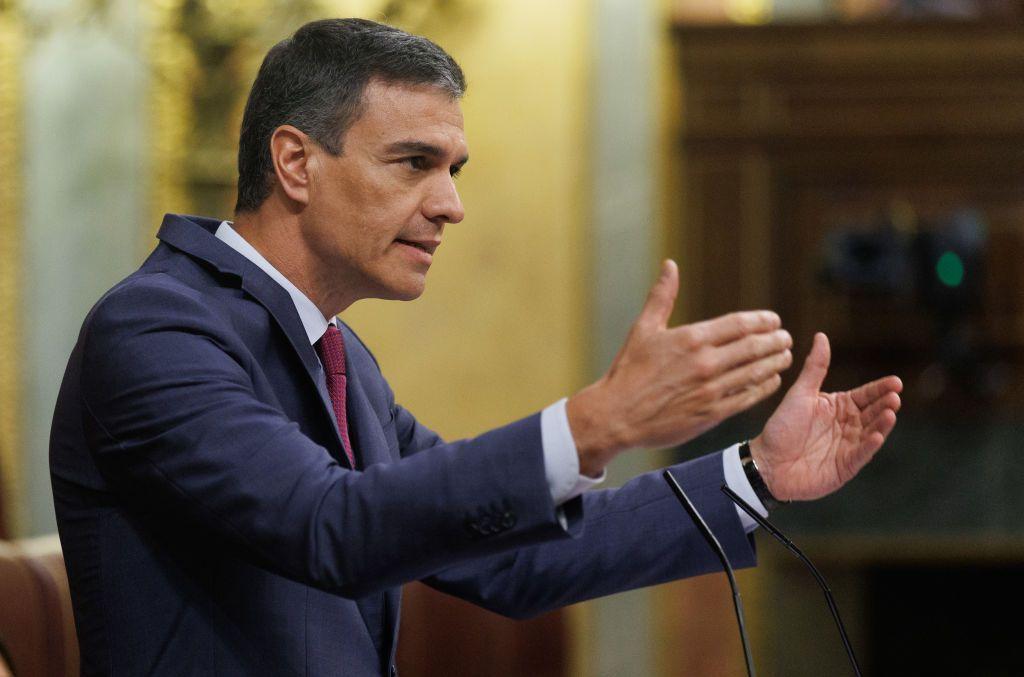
[331, 349]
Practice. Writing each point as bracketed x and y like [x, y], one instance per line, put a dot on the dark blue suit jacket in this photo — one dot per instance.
[211, 525]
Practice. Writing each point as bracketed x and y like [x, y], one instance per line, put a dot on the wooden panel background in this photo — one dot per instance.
[789, 130]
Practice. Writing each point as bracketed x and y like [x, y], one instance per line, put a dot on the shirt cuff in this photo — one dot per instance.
[561, 463]
[736, 479]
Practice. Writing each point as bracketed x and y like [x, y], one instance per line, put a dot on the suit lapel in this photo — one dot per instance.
[195, 237]
[367, 434]
[365, 428]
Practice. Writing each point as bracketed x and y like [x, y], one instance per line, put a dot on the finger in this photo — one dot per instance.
[815, 366]
[882, 424]
[867, 450]
[746, 398]
[751, 348]
[660, 300]
[890, 400]
[728, 328]
[753, 373]
[869, 392]
[872, 440]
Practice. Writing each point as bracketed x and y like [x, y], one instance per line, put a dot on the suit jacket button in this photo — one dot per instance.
[508, 520]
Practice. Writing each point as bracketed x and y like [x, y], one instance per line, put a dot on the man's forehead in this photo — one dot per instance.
[394, 113]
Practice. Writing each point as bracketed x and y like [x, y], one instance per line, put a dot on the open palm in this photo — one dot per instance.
[815, 442]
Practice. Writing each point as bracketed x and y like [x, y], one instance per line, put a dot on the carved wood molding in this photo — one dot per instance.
[851, 81]
[11, 49]
[172, 73]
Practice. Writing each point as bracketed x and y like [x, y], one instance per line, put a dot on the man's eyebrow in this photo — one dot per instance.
[422, 148]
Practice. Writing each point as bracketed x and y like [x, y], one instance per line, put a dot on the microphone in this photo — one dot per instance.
[717, 547]
[779, 536]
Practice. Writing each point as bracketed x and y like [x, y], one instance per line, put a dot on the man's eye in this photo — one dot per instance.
[417, 162]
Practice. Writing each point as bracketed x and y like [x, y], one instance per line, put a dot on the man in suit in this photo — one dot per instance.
[237, 491]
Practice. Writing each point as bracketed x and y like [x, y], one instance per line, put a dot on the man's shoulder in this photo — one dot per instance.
[148, 291]
[166, 280]
[151, 299]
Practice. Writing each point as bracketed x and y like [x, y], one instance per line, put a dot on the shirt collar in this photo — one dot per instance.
[313, 320]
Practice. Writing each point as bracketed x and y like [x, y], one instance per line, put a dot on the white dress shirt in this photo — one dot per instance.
[561, 462]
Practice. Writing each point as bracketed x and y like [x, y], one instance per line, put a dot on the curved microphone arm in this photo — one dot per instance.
[781, 538]
[717, 547]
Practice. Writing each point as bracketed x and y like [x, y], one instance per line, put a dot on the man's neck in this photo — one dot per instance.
[279, 240]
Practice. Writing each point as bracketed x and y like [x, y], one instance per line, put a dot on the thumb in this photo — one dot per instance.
[660, 300]
[815, 366]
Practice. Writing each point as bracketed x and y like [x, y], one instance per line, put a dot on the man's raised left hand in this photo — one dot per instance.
[815, 442]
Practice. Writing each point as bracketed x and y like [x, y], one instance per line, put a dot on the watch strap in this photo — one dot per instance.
[753, 475]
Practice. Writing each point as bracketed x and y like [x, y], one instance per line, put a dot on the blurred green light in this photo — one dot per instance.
[950, 269]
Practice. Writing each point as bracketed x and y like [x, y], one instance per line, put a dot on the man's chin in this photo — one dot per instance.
[409, 290]
[410, 296]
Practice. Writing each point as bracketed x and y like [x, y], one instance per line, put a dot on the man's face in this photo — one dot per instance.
[376, 212]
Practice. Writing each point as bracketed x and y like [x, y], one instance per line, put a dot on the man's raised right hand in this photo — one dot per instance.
[667, 385]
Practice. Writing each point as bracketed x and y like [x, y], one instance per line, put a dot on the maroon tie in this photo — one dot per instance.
[331, 349]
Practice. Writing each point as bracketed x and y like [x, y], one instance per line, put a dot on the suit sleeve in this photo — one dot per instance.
[619, 539]
[175, 426]
[633, 536]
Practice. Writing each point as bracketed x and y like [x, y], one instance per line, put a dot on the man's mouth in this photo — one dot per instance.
[428, 246]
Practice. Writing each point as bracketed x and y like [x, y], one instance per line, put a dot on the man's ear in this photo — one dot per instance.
[290, 150]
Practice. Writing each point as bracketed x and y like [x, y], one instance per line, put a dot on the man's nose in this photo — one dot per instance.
[443, 203]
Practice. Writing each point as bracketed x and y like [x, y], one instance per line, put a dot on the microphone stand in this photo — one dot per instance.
[779, 536]
[705, 531]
